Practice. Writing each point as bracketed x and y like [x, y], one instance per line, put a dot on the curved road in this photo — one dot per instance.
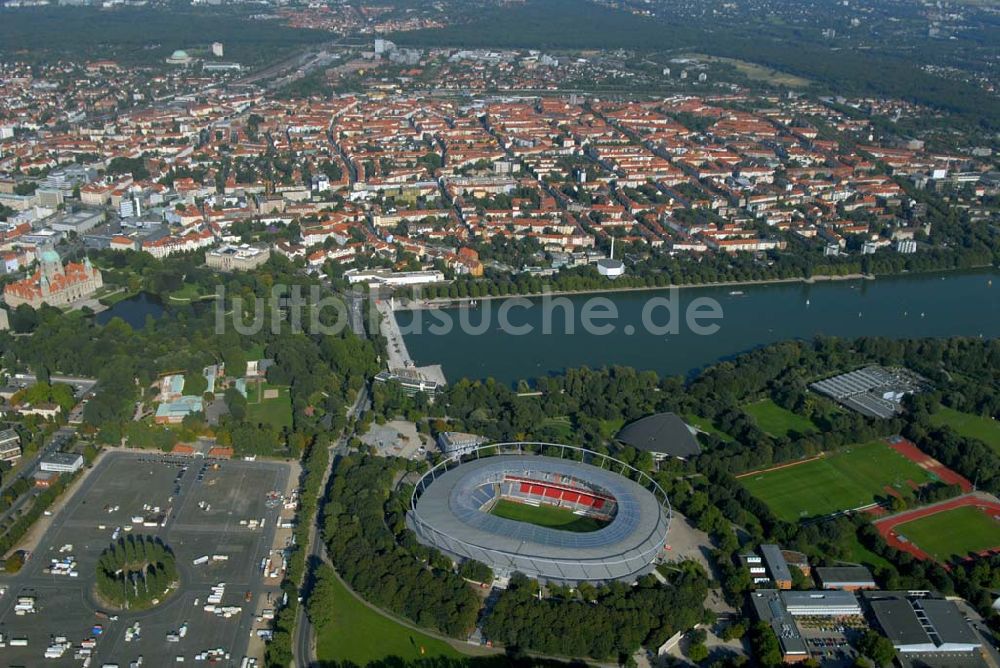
[303, 646]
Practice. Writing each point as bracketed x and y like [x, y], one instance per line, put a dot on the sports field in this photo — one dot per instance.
[362, 635]
[546, 516]
[843, 480]
[970, 426]
[776, 420]
[269, 404]
[953, 532]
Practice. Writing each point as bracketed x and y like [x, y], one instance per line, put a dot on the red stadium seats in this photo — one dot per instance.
[563, 491]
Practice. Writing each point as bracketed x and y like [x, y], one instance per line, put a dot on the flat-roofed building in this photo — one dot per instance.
[47, 197]
[81, 222]
[848, 578]
[393, 278]
[874, 391]
[10, 445]
[411, 381]
[831, 603]
[65, 179]
[174, 412]
[458, 443]
[770, 609]
[922, 624]
[61, 462]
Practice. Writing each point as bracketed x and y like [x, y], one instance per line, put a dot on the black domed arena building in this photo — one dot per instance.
[571, 515]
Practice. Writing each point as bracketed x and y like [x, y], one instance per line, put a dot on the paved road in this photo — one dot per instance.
[302, 644]
[82, 389]
[60, 438]
[357, 314]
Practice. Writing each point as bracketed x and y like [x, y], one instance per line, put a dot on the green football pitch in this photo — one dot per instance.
[776, 420]
[953, 532]
[843, 480]
[546, 516]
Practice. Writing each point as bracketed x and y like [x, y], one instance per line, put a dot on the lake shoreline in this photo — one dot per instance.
[406, 304]
[943, 303]
[402, 304]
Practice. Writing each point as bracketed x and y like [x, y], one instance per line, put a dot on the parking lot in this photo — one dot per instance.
[215, 510]
[831, 641]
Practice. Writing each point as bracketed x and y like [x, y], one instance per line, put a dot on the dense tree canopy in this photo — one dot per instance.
[379, 557]
[136, 572]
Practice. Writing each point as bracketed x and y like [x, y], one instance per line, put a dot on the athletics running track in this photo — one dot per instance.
[909, 450]
[887, 526]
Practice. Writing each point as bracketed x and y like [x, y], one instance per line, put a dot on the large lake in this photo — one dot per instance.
[946, 304]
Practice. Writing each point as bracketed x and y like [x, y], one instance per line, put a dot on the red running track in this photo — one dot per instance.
[909, 450]
[887, 526]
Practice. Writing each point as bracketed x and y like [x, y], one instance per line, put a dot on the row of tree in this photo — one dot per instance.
[369, 544]
[315, 462]
[613, 624]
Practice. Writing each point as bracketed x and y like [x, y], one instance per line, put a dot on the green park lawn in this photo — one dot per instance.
[561, 426]
[843, 480]
[277, 411]
[546, 516]
[110, 295]
[362, 635]
[705, 425]
[859, 554]
[970, 426]
[953, 532]
[188, 293]
[776, 420]
[609, 428]
[255, 352]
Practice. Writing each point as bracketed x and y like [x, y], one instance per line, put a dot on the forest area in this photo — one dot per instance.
[564, 24]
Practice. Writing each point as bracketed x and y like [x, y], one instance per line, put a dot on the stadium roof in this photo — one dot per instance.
[448, 517]
[663, 433]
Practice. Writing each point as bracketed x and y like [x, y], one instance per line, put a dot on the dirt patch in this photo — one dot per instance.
[758, 72]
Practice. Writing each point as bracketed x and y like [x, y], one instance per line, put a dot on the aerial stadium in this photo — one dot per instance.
[571, 515]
